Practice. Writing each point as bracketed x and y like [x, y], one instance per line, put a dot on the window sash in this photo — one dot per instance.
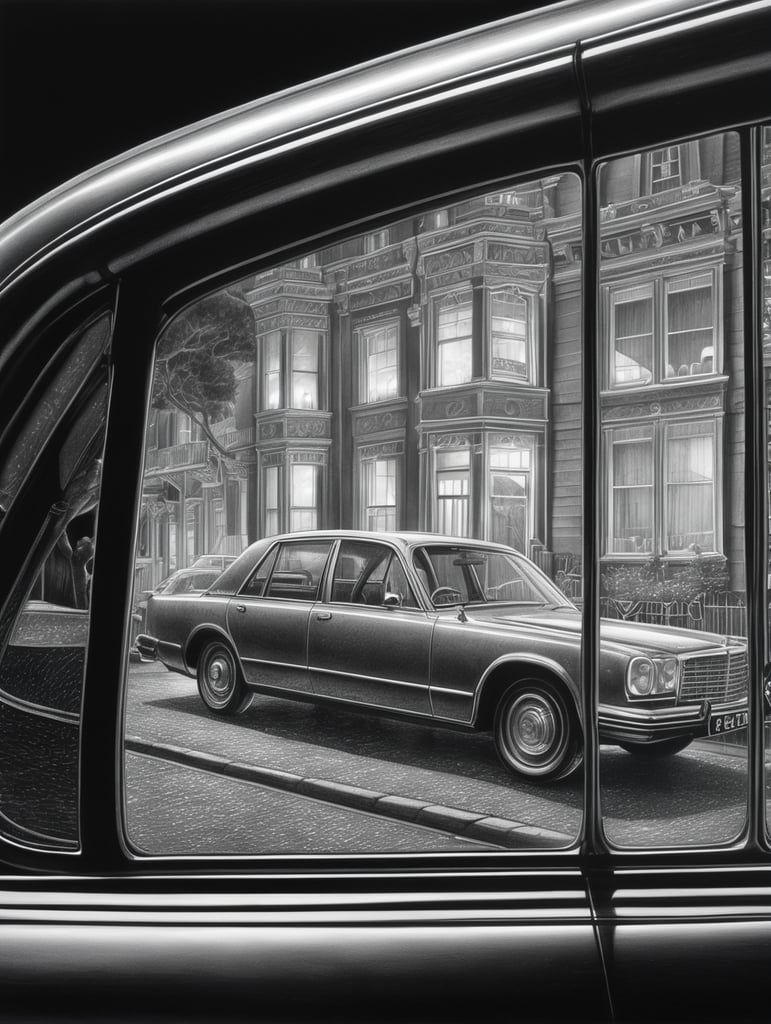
[380, 363]
[509, 335]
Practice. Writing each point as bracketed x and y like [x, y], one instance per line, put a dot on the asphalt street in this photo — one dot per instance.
[305, 778]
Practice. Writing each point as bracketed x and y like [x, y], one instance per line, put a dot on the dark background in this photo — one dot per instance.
[83, 80]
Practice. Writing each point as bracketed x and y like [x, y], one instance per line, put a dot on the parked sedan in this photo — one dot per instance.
[445, 630]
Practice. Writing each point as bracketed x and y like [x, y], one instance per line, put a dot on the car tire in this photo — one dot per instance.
[220, 681]
[536, 731]
[661, 748]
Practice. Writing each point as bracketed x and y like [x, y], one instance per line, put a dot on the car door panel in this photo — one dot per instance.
[270, 637]
[371, 655]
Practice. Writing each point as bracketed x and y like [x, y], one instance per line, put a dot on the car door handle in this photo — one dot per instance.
[240, 607]
[323, 616]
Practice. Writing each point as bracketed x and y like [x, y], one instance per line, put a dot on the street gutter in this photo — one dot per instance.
[503, 832]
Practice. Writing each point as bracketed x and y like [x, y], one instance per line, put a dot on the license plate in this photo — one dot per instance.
[728, 722]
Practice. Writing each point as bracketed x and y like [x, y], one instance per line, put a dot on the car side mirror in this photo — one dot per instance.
[392, 600]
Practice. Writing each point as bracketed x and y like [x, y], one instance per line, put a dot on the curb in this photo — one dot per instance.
[513, 835]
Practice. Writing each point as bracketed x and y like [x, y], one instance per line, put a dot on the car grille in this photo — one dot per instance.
[718, 678]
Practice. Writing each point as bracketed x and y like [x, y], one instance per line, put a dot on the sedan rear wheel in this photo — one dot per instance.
[536, 733]
[220, 682]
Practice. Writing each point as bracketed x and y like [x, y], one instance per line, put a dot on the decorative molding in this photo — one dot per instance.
[415, 315]
[269, 431]
[378, 422]
[498, 252]
[310, 426]
[520, 407]
[379, 451]
[379, 296]
[286, 320]
[449, 406]
[274, 458]
[449, 259]
[676, 406]
[318, 458]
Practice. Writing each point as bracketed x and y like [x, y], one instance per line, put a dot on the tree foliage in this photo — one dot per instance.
[197, 356]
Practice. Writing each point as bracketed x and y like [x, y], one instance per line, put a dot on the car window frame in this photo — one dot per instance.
[162, 299]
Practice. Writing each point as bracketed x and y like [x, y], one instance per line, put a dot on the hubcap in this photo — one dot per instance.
[219, 676]
[535, 733]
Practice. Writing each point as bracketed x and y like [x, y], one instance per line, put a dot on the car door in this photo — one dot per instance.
[268, 619]
[370, 641]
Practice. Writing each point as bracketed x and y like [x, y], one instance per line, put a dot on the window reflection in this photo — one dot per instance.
[423, 377]
[673, 476]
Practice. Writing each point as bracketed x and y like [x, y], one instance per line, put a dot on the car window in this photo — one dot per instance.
[45, 618]
[255, 585]
[395, 383]
[673, 591]
[366, 572]
[298, 570]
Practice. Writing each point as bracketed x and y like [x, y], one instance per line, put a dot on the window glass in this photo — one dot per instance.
[379, 362]
[509, 334]
[419, 383]
[673, 755]
[45, 616]
[297, 574]
[454, 344]
[765, 319]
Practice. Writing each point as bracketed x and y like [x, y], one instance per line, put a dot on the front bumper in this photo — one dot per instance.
[649, 725]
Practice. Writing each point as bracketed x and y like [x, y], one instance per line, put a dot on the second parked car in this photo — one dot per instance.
[448, 631]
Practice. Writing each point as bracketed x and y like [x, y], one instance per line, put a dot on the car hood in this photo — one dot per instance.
[632, 637]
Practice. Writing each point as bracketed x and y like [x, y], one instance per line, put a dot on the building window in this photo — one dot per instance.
[669, 167]
[632, 326]
[380, 494]
[436, 220]
[510, 490]
[305, 369]
[689, 506]
[272, 501]
[690, 331]
[664, 330]
[665, 169]
[271, 370]
[376, 240]
[379, 362]
[303, 497]
[454, 344]
[631, 461]
[509, 335]
[291, 369]
[663, 503]
[453, 486]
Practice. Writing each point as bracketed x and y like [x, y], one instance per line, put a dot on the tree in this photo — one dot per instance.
[197, 353]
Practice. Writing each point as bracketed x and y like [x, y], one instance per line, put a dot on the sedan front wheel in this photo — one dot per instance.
[536, 733]
[220, 682]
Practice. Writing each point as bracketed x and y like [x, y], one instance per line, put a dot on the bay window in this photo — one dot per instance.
[454, 339]
[291, 369]
[509, 335]
[380, 483]
[271, 501]
[303, 497]
[510, 496]
[664, 330]
[453, 486]
[662, 488]
[379, 362]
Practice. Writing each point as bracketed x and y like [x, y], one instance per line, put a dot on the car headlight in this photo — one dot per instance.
[651, 677]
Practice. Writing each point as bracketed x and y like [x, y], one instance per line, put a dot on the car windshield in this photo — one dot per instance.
[467, 575]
